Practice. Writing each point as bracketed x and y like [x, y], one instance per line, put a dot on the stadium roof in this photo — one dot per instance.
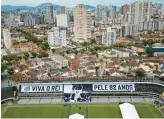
[128, 111]
[76, 116]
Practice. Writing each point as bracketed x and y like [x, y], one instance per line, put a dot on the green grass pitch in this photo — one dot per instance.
[61, 111]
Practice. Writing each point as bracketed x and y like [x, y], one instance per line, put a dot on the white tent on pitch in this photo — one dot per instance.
[76, 116]
[128, 111]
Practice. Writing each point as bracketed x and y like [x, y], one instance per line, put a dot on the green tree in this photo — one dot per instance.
[85, 44]
[19, 57]
[162, 31]
[26, 54]
[162, 40]
[43, 54]
[150, 42]
[53, 50]
[49, 74]
[45, 46]
[81, 51]
[129, 36]
[96, 69]
[96, 48]
[10, 57]
[68, 51]
[25, 57]
[10, 70]
[139, 53]
[75, 52]
[34, 54]
[149, 32]
[62, 53]
[3, 67]
[140, 73]
[93, 41]
[93, 52]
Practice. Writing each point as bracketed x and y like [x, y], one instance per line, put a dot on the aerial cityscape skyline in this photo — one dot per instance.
[82, 59]
[71, 3]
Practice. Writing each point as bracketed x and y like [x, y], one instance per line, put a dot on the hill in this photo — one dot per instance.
[10, 8]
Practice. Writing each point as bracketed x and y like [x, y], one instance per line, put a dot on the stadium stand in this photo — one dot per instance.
[7, 92]
[103, 99]
[56, 100]
[125, 99]
[34, 101]
[114, 99]
[45, 101]
[94, 99]
[145, 92]
[137, 99]
[149, 88]
[23, 101]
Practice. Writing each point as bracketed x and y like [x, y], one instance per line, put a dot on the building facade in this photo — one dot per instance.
[62, 20]
[57, 37]
[82, 22]
[49, 14]
[24, 47]
[7, 38]
[63, 10]
[162, 11]
[140, 11]
[109, 37]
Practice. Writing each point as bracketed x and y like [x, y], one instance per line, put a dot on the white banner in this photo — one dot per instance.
[72, 88]
[41, 88]
[113, 87]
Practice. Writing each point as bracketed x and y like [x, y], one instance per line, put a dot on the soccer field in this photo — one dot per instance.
[89, 111]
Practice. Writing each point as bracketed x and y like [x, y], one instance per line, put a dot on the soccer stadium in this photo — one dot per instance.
[79, 100]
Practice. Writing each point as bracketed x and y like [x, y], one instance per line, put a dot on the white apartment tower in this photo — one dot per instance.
[62, 20]
[82, 22]
[140, 11]
[163, 10]
[98, 12]
[109, 37]
[57, 37]
[7, 38]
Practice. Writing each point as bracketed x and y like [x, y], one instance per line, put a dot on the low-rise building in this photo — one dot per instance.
[74, 64]
[138, 49]
[24, 47]
[61, 60]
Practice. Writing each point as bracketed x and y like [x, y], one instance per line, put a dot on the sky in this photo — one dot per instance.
[71, 3]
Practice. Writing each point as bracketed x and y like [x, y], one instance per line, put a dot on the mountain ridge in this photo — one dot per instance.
[8, 8]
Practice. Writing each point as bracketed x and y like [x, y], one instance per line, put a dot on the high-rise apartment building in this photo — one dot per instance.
[7, 38]
[63, 10]
[162, 10]
[140, 11]
[57, 37]
[62, 20]
[33, 19]
[82, 22]
[49, 14]
[29, 20]
[98, 12]
[126, 9]
[109, 37]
